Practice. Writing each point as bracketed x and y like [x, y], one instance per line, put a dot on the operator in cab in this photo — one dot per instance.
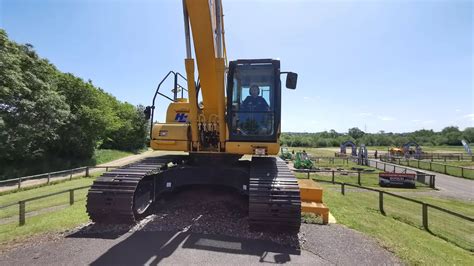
[254, 102]
[254, 120]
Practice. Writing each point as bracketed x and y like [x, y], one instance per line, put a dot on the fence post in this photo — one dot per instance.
[19, 183]
[418, 163]
[384, 167]
[376, 164]
[425, 216]
[106, 168]
[87, 171]
[430, 165]
[394, 168]
[22, 212]
[358, 178]
[70, 177]
[49, 177]
[381, 202]
[332, 176]
[308, 174]
[462, 171]
[343, 189]
[444, 168]
[71, 196]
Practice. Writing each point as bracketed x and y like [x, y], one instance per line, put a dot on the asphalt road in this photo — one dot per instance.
[448, 186]
[333, 244]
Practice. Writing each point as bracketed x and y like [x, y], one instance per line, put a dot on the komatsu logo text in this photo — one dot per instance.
[181, 117]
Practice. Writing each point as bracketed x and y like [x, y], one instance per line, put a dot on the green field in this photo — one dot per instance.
[105, 156]
[57, 200]
[51, 214]
[400, 230]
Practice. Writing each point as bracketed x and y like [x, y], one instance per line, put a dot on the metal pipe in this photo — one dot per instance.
[186, 31]
[219, 28]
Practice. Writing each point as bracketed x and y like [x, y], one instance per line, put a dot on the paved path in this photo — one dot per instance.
[118, 162]
[324, 244]
[449, 186]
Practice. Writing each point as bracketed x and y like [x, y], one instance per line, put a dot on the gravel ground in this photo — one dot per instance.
[202, 225]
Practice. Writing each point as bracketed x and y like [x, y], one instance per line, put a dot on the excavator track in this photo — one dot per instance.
[123, 194]
[274, 196]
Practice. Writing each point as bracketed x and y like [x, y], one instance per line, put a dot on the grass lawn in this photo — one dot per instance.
[316, 152]
[57, 221]
[400, 230]
[52, 221]
[105, 156]
[52, 201]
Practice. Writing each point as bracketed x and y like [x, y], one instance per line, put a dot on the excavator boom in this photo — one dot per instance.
[243, 118]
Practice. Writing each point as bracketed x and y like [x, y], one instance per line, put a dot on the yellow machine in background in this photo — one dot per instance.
[240, 114]
[395, 151]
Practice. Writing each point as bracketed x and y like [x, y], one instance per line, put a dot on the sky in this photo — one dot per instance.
[395, 66]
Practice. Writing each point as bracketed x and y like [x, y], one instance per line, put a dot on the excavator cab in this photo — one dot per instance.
[254, 99]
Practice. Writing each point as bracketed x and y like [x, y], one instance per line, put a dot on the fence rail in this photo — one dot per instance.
[447, 156]
[51, 175]
[449, 232]
[22, 203]
[447, 169]
[421, 176]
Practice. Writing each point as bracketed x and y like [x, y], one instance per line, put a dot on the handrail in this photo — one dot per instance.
[157, 92]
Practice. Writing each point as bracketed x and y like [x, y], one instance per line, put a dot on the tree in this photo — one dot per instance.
[47, 115]
[355, 132]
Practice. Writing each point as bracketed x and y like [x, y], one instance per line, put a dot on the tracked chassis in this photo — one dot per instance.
[124, 194]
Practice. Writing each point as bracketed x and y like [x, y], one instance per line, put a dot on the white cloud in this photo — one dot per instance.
[365, 114]
[469, 116]
[458, 110]
[310, 99]
[385, 118]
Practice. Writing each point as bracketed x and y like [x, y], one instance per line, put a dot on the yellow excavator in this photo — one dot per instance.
[231, 109]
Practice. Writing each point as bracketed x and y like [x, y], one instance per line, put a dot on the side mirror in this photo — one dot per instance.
[291, 79]
[147, 112]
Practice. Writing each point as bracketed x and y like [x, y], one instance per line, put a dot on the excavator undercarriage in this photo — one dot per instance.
[124, 194]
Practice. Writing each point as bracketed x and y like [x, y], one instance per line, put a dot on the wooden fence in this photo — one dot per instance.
[22, 203]
[421, 177]
[447, 169]
[48, 177]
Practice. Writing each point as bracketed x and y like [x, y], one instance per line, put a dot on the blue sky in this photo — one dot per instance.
[379, 65]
